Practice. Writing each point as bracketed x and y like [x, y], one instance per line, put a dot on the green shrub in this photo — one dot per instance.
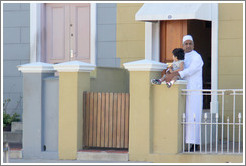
[7, 118]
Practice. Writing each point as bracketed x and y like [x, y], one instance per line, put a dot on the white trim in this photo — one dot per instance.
[156, 41]
[36, 27]
[145, 65]
[35, 32]
[36, 67]
[74, 66]
[148, 40]
[178, 82]
[214, 57]
[173, 11]
[93, 30]
[152, 41]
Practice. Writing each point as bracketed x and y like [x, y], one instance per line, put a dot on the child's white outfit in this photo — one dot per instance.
[176, 66]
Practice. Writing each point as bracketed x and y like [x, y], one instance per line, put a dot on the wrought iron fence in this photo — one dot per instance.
[220, 127]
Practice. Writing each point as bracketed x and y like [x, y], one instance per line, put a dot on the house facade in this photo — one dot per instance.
[105, 37]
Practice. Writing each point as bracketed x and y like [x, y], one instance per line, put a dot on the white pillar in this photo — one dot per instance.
[36, 10]
[156, 41]
[148, 40]
[214, 66]
[152, 41]
[33, 108]
[93, 17]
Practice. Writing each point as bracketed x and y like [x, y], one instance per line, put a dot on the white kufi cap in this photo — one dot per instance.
[187, 37]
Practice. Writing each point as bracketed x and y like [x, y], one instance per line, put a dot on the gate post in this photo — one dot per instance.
[141, 72]
[155, 132]
[33, 75]
[74, 78]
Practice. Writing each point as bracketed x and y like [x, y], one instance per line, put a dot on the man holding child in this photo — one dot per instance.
[192, 72]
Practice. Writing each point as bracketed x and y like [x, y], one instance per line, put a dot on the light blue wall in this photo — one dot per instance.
[16, 46]
[106, 35]
[39, 115]
[50, 114]
[15, 51]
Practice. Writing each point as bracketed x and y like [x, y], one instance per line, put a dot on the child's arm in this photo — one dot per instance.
[170, 68]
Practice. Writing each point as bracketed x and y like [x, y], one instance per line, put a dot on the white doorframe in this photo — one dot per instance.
[35, 31]
[214, 56]
[37, 27]
[93, 30]
[151, 46]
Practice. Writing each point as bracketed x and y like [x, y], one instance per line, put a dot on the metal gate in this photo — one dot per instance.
[106, 120]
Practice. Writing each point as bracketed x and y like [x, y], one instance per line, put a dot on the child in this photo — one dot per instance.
[177, 65]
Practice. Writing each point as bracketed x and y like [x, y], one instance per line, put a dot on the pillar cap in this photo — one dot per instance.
[145, 65]
[36, 67]
[178, 82]
[74, 66]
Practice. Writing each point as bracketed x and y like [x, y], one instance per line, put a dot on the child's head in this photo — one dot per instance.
[178, 53]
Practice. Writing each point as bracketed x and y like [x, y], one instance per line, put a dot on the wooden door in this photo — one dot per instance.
[171, 35]
[106, 120]
[80, 31]
[57, 36]
[67, 32]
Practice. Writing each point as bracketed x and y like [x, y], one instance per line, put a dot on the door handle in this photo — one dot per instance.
[71, 54]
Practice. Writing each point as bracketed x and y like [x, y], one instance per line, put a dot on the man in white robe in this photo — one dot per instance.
[192, 72]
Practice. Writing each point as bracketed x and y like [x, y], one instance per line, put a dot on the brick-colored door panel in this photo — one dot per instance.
[171, 35]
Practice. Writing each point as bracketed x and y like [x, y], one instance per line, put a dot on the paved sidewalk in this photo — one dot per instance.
[65, 161]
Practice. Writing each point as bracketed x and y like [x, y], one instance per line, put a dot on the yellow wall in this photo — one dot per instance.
[105, 79]
[230, 46]
[155, 111]
[167, 107]
[230, 67]
[155, 133]
[130, 33]
[131, 38]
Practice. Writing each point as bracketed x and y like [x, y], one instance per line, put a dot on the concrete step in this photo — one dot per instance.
[12, 150]
[91, 155]
[12, 137]
[16, 126]
[103, 155]
[13, 154]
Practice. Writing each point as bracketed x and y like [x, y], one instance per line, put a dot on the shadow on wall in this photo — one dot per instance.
[105, 79]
